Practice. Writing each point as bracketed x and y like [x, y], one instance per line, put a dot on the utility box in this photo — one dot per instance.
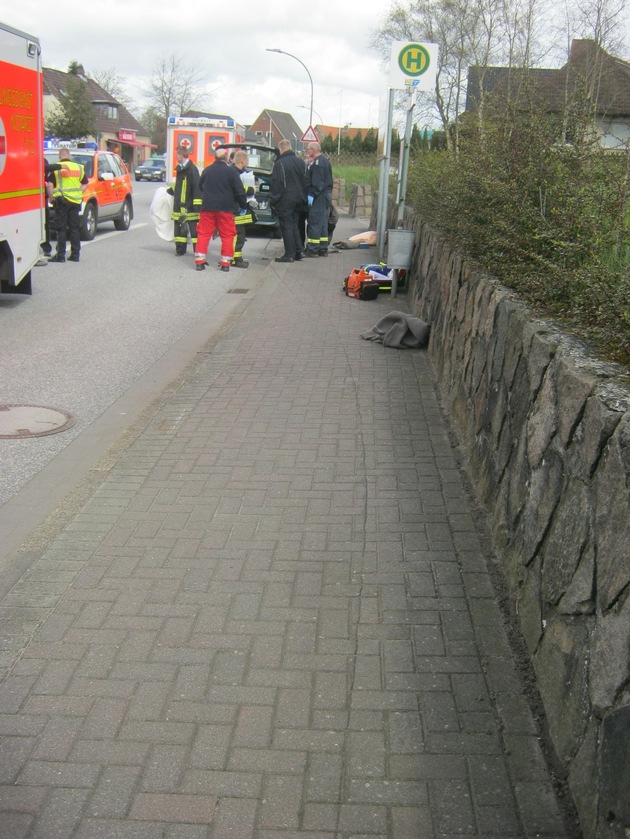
[400, 248]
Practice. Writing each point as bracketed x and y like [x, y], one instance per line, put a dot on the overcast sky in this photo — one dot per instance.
[228, 41]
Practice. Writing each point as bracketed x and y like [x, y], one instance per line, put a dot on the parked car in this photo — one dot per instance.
[107, 197]
[153, 169]
[261, 160]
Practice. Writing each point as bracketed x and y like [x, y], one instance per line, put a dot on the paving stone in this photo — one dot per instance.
[272, 618]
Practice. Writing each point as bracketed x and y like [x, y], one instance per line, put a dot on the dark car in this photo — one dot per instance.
[151, 170]
[261, 160]
[108, 195]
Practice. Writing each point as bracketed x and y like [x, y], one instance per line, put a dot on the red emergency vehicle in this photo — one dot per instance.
[21, 158]
[201, 136]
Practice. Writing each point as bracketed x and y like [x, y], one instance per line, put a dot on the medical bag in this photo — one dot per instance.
[361, 284]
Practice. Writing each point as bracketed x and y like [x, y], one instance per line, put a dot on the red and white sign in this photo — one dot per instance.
[310, 136]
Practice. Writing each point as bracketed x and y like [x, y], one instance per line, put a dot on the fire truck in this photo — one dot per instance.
[201, 136]
[21, 158]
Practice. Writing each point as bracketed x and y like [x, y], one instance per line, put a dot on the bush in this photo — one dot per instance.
[547, 219]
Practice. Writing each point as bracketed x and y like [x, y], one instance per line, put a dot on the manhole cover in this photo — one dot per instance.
[17, 421]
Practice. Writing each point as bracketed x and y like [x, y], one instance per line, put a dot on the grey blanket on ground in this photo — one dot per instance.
[399, 330]
[345, 245]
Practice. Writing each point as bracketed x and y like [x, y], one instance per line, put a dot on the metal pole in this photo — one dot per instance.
[383, 180]
[310, 78]
[404, 157]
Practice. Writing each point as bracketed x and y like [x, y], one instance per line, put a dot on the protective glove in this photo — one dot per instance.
[170, 191]
[253, 203]
[310, 200]
[242, 212]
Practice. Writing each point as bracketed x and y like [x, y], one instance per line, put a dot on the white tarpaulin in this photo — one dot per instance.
[161, 213]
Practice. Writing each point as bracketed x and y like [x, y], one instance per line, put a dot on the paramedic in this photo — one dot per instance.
[67, 193]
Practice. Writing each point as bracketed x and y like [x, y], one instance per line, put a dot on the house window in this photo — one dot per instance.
[108, 110]
[615, 135]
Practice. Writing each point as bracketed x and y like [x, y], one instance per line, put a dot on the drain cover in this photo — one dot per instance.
[17, 421]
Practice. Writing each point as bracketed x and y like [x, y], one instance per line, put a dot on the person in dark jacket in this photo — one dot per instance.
[186, 201]
[49, 168]
[222, 196]
[319, 188]
[288, 198]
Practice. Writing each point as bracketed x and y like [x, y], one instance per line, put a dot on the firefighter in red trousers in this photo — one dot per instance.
[222, 197]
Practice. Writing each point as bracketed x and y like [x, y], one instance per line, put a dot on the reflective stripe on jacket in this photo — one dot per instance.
[68, 182]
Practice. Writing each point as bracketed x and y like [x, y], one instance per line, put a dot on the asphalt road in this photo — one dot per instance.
[91, 330]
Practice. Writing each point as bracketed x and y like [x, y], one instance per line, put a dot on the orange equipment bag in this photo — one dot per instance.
[360, 284]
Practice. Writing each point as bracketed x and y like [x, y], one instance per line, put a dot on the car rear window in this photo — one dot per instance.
[86, 160]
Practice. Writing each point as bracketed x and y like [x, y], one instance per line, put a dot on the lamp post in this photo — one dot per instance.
[310, 78]
[321, 121]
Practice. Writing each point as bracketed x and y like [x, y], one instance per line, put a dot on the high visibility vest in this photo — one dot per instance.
[68, 182]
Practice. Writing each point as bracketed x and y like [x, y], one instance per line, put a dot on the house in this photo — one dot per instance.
[591, 74]
[270, 127]
[116, 129]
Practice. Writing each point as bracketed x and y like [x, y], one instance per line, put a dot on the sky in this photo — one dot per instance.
[228, 42]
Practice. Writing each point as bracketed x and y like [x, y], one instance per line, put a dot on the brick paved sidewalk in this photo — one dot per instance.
[273, 618]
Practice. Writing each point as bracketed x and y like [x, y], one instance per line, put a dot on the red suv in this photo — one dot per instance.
[107, 197]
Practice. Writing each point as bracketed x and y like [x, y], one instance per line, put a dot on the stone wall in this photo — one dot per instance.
[339, 192]
[546, 433]
[360, 201]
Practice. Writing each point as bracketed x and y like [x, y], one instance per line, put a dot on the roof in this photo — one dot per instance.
[605, 78]
[55, 84]
[324, 131]
[284, 123]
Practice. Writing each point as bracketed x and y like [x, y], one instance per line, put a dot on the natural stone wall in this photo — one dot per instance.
[546, 431]
[360, 201]
[339, 191]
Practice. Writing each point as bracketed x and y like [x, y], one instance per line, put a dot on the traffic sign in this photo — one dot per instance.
[310, 136]
[413, 65]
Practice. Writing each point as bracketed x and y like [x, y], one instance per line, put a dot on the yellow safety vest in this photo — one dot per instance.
[68, 182]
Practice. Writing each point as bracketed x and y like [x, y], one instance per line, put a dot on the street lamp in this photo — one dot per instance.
[310, 78]
[321, 121]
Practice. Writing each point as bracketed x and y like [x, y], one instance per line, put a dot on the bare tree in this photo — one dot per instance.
[111, 82]
[603, 21]
[478, 32]
[175, 87]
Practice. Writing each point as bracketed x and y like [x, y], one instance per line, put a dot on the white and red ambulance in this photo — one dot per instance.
[201, 136]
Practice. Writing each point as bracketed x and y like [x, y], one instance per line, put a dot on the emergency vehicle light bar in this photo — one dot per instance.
[210, 122]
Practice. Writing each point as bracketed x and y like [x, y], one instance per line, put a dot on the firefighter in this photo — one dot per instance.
[186, 201]
[244, 217]
[319, 187]
[67, 193]
[222, 196]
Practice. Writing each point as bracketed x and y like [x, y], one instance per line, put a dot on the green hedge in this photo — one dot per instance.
[549, 220]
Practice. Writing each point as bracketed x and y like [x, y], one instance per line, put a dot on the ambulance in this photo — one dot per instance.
[201, 136]
[21, 158]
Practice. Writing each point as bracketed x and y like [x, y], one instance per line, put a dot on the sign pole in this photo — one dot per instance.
[404, 157]
[383, 179]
